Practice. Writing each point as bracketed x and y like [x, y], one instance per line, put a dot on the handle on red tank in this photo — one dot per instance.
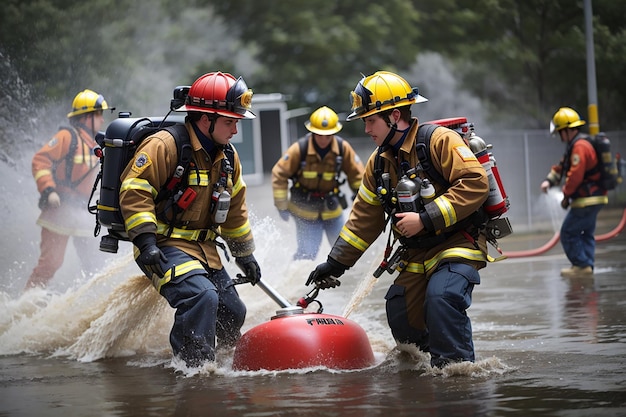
[267, 289]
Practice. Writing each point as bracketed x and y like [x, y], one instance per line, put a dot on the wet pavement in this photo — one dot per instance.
[545, 345]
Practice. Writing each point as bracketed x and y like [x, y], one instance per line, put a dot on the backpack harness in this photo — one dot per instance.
[470, 226]
[302, 194]
[610, 175]
[176, 191]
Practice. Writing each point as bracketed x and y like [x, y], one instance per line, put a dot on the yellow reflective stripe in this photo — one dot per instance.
[186, 234]
[368, 196]
[415, 267]
[180, 270]
[140, 218]
[280, 194]
[353, 240]
[237, 232]
[79, 159]
[303, 212]
[138, 184]
[239, 185]
[42, 173]
[590, 201]
[200, 178]
[447, 211]
[465, 253]
[356, 184]
[331, 214]
[326, 176]
[106, 208]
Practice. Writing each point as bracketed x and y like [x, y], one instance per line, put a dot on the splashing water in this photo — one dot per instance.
[553, 203]
[364, 289]
[118, 313]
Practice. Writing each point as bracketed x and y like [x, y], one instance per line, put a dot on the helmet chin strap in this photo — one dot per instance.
[393, 129]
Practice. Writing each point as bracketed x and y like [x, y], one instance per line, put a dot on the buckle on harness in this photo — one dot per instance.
[202, 236]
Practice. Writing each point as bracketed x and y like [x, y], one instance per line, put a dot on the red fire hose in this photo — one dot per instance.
[554, 240]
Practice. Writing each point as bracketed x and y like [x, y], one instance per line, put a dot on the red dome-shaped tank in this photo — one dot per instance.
[293, 339]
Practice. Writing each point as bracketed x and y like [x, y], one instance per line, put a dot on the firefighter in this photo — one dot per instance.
[313, 165]
[180, 255]
[582, 192]
[65, 169]
[441, 249]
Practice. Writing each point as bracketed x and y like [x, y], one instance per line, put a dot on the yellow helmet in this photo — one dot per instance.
[323, 121]
[381, 91]
[565, 117]
[87, 101]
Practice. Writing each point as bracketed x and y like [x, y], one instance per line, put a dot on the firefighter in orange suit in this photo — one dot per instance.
[313, 165]
[582, 192]
[440, 248]
[65, 169]
[178, 249]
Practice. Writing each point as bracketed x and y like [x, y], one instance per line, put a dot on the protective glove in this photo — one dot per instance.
[325, 274]
[151, 256]
[54, 201]
[250, 268]
[49, 198]
[565, 203]
[284, 214]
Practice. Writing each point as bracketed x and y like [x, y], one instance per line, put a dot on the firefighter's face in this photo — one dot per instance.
[376, 128]
[225, 128]
[322, 140]
[97, 120]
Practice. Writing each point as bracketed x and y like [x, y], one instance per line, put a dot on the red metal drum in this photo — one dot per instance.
[293, 339]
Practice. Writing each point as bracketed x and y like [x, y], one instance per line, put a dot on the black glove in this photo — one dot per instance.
[151, 256]
[565, 203]
[250, 268]
[284, 214]
[325, 275]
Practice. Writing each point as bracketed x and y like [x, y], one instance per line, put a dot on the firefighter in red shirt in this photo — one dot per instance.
[582, 192]
[65, 169]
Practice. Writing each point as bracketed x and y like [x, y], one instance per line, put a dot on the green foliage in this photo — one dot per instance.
[315, 50]
[525, 58]
[520, 58]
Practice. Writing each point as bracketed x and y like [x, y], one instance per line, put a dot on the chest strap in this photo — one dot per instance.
[198, 235]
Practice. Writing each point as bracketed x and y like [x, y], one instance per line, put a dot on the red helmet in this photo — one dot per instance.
[220, 93]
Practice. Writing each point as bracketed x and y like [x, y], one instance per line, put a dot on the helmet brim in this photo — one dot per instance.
[246, 115]
[323, 132]
[353, 116]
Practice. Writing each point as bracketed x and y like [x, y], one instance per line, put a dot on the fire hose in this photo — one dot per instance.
[555, 239]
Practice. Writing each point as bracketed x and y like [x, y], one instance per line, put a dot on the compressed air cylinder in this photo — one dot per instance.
[496, 202]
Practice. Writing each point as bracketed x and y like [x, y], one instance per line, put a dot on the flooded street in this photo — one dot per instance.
[545, 345]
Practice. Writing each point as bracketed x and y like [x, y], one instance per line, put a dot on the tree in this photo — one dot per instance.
[526, 58]
[315, 50]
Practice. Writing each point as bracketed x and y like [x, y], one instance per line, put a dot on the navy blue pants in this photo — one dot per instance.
[577, 235]
[432, 313]
[207, 306]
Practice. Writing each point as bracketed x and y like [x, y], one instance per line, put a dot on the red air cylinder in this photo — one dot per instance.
[293, 340]
[496, 203]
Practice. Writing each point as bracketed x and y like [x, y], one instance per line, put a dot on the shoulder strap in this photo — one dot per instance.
[69, 157]
[303, 143]
[340, 145]
[183, 143]
[422, 147]
[184, 151]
